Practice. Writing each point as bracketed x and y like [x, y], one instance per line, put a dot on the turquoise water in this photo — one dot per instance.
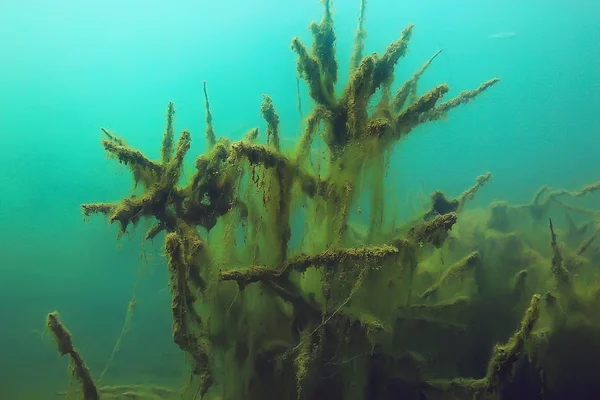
[68, 68]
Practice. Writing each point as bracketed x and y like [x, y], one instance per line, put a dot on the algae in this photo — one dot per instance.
[306, 306]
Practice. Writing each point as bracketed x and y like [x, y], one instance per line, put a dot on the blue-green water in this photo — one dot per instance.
[68, 68]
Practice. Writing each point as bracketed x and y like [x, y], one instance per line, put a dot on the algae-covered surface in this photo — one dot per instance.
[290, 272]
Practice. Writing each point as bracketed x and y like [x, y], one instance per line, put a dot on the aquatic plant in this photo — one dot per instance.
[275, 290]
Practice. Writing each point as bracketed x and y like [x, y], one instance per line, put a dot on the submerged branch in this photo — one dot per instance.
[385, 65]
[428, 232]
[105, 209]
[359, 38]
[579, 193]
[409, 88]
[130, 157]
[308, 135]
[112, 137]
[463, 98]
[302, 262]
[412, 116]
[211, 139]
[310, 71]
[324, 50]
[456, 271]
[434, 231]
[469, 194]
[180, 255]
[562, 276]
[269, 158]
[500, 371]
[166, 150]
[270, 115]
[63, 340]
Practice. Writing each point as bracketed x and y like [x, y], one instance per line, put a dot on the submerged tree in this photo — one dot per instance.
[276, 293]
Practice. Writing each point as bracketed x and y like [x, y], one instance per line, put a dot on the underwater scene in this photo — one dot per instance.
[300, 199]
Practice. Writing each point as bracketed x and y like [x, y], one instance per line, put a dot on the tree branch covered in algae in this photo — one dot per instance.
[312, 297]
[501, 366]
[80, 371]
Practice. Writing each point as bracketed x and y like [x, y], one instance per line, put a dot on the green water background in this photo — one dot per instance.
[69, 67]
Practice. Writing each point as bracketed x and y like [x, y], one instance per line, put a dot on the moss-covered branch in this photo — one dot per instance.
[105, 209]
[384, 65]
[261, 155]
[501, 367]
[440, 204]
[354, 106]
[156, 198]
[434, 231]
[251, 135]
[132, 158]
[562, 276]
[456, 272]
[310, 70]
[180, 255]
[166, 150]
[270, 115]
[308, 135]
[324, 49]
[428, 232]
[440, 309]
[112, 137]
[463, 98]
[359, 38]
[64, 342]
[469, 194]
[211, 139]
[252, 274]
[578, 193]
[411, 117]
[585, 245]
[302, 262]
[408, 90]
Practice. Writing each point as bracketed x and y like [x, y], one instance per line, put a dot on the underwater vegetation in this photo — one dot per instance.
[277, 292]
